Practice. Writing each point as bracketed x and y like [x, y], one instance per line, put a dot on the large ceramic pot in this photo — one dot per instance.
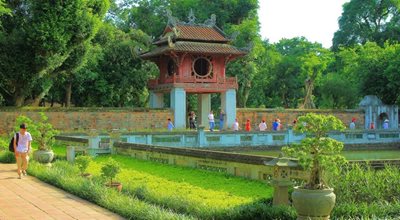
[43, 156]
[313, 204]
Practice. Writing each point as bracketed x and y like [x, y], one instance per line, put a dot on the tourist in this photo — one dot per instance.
[262, 126]
[372, 126]
[192, 120]
[211, 120]
[280, 126]
[275, 125]
[386, 124]
[353, 124]
[248, 125]
[170, 125]
[235, 126]
[221, 120]
[22, 149]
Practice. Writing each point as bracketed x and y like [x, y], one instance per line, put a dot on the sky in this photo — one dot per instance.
[317, 20]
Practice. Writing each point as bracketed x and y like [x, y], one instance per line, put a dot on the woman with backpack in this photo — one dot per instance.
[22, 147]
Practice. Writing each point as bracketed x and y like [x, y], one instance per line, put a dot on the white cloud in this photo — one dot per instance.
[317, 20]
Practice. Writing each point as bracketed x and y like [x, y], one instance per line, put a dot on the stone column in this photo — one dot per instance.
[228, 105]
[178, 104]
[70, 154]
[94, 142]
[156, 100]
[201, 137]
[204, 108]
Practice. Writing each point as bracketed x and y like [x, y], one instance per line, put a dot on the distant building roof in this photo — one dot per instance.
[370, 100]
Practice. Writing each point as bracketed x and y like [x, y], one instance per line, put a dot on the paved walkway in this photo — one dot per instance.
[29, 198]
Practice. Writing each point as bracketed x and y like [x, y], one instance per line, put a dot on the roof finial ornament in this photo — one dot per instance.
[211, 22]
[191, 17]
[171, 19]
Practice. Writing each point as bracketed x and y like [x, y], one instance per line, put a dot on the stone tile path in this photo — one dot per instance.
[29, 198]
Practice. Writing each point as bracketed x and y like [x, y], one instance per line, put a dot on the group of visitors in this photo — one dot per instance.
[385, 124]
[276, 124]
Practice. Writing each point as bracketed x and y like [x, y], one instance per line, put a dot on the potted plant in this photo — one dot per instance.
[82, 162]
[319, 154]
[109, 171]
[45, 139]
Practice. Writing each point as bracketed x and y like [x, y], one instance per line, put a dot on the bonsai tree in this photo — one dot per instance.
[82, 162]
[46, 133]
[110, 170]
[317, 152]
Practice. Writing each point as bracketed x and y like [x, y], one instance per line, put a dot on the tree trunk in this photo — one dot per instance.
[39, 98]
[315, 177]
[19, 100]
[68, 93]
[308, 102]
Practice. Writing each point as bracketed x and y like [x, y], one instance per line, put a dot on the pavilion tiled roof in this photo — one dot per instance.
[205, 38]
[195, 33]
[194, 47]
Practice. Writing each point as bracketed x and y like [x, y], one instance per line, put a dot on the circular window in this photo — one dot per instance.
[202, 66]
[171, 68]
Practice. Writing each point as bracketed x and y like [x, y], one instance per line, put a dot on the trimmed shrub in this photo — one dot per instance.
[7, 157]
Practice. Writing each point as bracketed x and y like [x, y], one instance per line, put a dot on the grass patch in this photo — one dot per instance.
[203, 194]
[205, 179]
[364, 192]
[67, 177]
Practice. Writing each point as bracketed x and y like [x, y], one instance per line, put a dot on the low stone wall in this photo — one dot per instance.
[84, 119]
[248, 166]
[288, 115]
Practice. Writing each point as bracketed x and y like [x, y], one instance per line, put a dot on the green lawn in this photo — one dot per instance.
[191, 191]
[185, 190]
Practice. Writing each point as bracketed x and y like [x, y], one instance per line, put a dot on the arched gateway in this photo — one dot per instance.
[192, 59]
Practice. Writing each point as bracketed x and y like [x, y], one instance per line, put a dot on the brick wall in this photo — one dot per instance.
[84, 119]
[288, 115]
[80, 119]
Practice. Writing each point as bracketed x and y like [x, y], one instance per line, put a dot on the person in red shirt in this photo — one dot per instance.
[248, 126]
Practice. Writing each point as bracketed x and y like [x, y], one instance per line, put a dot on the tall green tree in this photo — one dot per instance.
[245, 68]
[39, 36]
[336, 91]
[296, 64]
[373, 69]
[114, 76]
[263, 91]
[368, 20]
[313, 65]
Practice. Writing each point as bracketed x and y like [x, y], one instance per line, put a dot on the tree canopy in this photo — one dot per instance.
[368, 20]
[86, 53]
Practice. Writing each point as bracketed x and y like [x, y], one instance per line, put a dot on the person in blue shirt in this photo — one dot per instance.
[170, 126]
[275, 125]
[386, 124]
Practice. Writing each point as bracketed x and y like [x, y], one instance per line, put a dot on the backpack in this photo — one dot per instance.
[11, 145]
